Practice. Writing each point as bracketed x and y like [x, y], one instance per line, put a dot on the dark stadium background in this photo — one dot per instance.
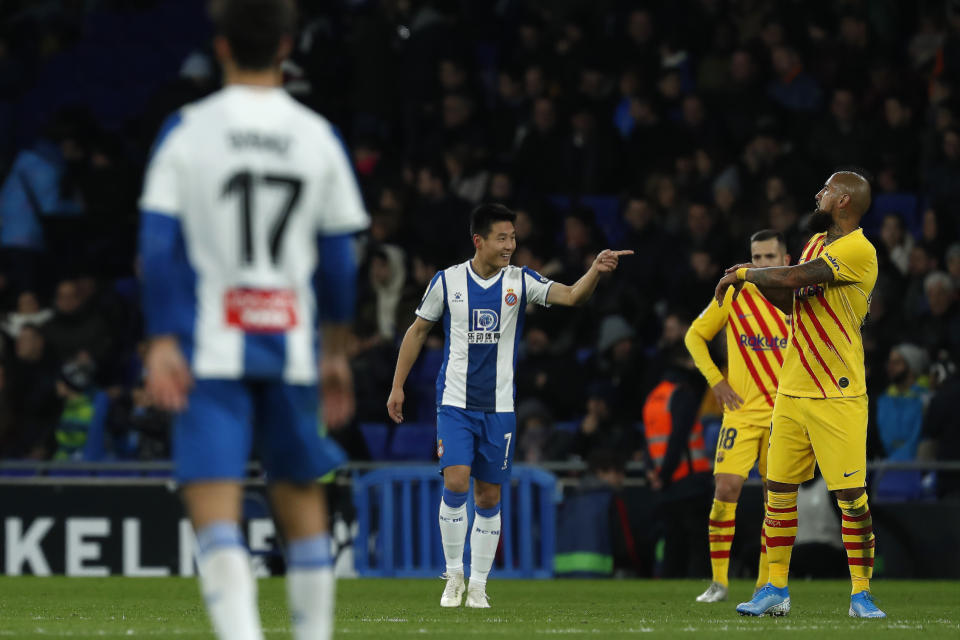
[675, 129]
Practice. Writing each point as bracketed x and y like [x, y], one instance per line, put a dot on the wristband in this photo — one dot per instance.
[742, 273]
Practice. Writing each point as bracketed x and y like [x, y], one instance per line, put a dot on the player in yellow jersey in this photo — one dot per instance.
[820, 414]
[757, 335]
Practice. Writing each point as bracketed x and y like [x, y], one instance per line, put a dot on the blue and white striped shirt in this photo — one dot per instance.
[482, 326]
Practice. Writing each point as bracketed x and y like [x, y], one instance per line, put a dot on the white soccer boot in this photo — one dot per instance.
[716, 592]
[477, 596]
[453, 592]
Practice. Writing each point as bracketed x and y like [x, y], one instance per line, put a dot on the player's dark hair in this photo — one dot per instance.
[769, 234]
[483, 217]
[254, 29]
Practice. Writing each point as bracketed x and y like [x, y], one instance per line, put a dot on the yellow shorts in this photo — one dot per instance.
[739, 446]
[830, 432]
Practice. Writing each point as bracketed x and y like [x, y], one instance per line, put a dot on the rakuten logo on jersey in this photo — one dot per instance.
[261, 310]
[762, 343]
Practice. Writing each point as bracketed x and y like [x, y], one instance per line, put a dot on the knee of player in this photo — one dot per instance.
[486, 497]
[456, 481]
[728, 487]
[849, 494]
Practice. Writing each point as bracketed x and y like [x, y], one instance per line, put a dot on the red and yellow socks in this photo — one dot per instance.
[722, 525]
[763, 571]
[780, 532]
[858, 539]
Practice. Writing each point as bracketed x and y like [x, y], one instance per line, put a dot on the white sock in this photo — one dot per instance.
[483, 544]
[227, 583]
[311, 587]
[453, 534]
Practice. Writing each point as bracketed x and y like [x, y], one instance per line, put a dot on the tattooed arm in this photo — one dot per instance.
[778, 283]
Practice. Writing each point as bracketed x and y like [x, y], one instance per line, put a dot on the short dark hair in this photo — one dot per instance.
[254, 29]
[483, 217]
[769, 234]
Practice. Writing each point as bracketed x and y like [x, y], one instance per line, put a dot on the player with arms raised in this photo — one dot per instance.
[820, 414]
[756, 334]
[249, 203]
[482, 303]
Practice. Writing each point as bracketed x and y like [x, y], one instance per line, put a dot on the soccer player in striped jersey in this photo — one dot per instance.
[757, 334]
[482, 303]
[820, 414]
[248, 210]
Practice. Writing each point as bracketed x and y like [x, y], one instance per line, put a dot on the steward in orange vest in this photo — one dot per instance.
[678, 469]
[675, 445]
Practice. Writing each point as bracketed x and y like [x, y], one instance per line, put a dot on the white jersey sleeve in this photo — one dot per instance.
[343, 206]
[537, 286]
[431, 307]
[161, 185]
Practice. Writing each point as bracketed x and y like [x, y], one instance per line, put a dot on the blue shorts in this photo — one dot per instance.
[482, 441]
[226, 419]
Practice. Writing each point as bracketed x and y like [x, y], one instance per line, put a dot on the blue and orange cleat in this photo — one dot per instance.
[863, 606]
[767, 601]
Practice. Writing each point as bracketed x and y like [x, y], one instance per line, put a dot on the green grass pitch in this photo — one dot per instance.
[171, 608]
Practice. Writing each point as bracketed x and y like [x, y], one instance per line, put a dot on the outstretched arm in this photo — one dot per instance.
[578, 293]
[776, 283]
[409, 350]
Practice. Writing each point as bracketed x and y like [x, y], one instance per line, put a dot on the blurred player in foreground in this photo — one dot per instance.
[820, 414]
[756, 339]
[482, 303]
[248, 211]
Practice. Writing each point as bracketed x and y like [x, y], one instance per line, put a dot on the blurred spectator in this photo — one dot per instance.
[939, 328]
[943, 177]
[793, 89]
[953, 264]
[896, 147]
[539, 158]
[75, 390]
[897, 241]
[76, 327]
[941, 427]
[591, 154]
[379, 303]
[600, 428]
[618, 362]
[921, 264]
[28, 311]
[547, 373]
[842, 139]
[44, 182]
[440, 220]
[30, 392]
[899, 411]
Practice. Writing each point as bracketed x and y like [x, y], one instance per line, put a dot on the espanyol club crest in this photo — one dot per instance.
[511, 298]
[439, 448]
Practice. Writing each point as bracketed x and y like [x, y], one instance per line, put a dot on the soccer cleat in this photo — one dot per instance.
[477, 597]
[453, 592]
[863, 606]
[768, 601]
[716, 592]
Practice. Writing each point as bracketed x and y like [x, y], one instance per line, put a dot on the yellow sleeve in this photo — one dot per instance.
[851, 260]
[707, 325]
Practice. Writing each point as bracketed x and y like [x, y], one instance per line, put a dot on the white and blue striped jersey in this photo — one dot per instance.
[482, 327]
[242, 189]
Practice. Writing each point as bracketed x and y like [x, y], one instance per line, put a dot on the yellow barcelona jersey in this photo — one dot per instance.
[757, 334]
[825, 356]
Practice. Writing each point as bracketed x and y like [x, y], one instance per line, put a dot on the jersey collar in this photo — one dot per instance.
[485, 283]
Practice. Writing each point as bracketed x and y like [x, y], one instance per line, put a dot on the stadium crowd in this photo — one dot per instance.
[674, 129]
